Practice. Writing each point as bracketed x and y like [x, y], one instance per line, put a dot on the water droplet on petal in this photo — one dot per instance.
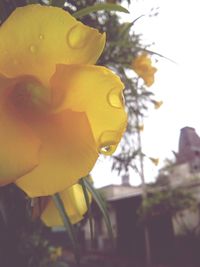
[108, 142]
[77, 36]
[32, 49]
[115, 98]
[106, 150]
[41, 36]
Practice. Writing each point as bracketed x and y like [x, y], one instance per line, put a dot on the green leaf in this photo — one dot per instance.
[101, 204]
[85, 192]
[127, 26]
[69, 227]
[155, 53]
[94, 8]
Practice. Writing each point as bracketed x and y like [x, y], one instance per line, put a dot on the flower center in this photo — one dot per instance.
[30, 96]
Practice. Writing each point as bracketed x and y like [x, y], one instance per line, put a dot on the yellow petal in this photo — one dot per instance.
[35, 38]
[148, 79]
[74, 203]
[142, 65]
[155, 161]
[68, 153]
[141, 60]
[97, 92]
[157, 104]
[19, 147]
[140, 127]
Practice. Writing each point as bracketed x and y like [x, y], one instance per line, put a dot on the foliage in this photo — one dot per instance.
[25, 240]
[168, 201]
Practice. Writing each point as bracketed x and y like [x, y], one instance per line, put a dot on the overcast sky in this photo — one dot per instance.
[175, 32]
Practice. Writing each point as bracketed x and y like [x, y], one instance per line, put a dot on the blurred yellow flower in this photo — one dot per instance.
[57, 110]
[55, 253]
[157, 104]
[74, 204]
[140, 127]
[142, 65]
[155, 161]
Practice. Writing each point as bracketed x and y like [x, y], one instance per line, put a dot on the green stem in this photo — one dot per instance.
[69, 227]
[85, 192]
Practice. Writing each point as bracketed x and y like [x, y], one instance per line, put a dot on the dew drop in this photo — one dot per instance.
[106, 150]
[115, 98]
[41, 36]
[77, 37]
[32, 49]
[108, 142]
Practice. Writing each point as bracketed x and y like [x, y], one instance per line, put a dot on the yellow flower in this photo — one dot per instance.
[55, 253]
[57, 110]
[142, 65]
[74, 203]
[140, 127]
[157, 104]
[155, 161]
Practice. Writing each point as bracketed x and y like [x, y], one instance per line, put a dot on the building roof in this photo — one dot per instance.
[117, 192]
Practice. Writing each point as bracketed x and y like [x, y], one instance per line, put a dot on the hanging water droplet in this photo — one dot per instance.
[106, 150]
[32, 49]
[115, 98]
[41, 36]
[77, 36]
[108, 142]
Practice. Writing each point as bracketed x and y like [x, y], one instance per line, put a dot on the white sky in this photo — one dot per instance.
[176, 34]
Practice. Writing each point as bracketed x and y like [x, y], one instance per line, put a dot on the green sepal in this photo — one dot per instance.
[94, 8]
[101, 204]
[68, 226]
[85, 192]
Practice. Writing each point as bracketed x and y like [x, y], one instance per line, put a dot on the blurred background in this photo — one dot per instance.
[151, 184]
